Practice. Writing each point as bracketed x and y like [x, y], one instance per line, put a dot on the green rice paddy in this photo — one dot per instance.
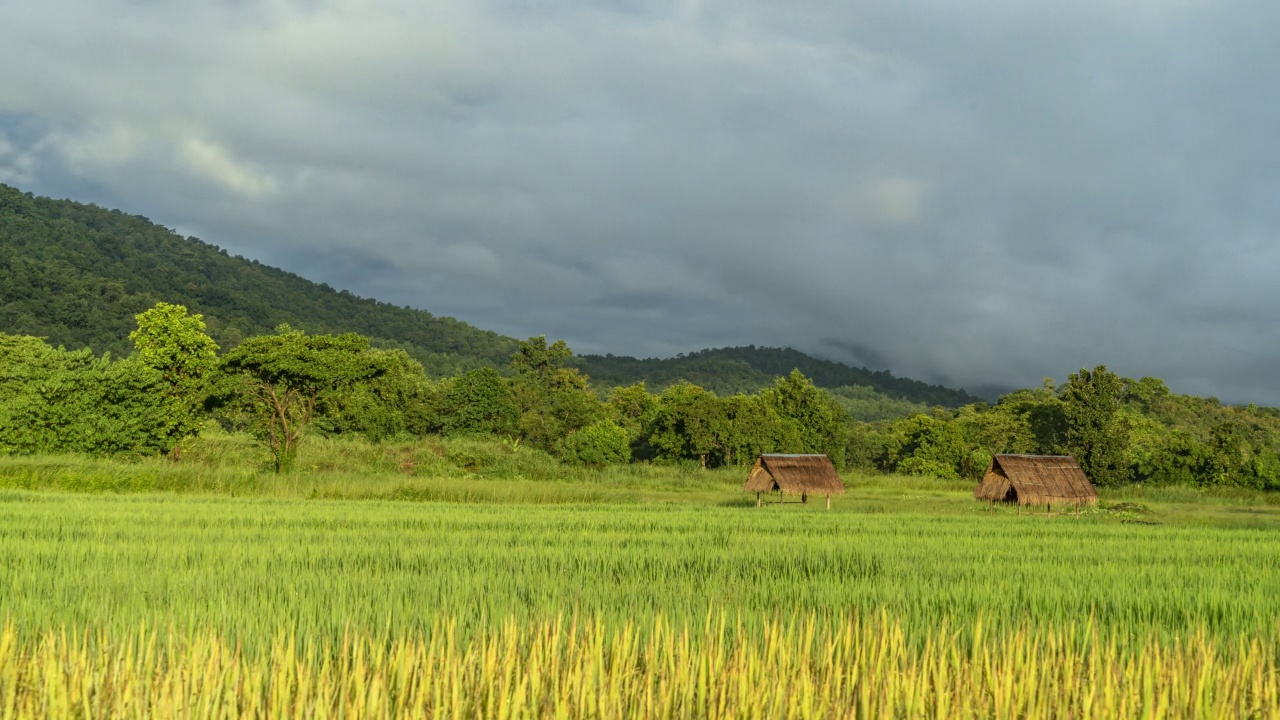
[250, 568]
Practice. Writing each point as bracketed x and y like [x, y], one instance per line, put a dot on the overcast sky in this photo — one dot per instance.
[977, 193]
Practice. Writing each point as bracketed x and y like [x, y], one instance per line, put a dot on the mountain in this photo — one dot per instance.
[745, 369]
[77, 274]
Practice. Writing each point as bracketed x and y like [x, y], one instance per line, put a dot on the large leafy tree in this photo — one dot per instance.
[819, 418]
[478, 402]
[284, 376]
[1094, 433]
[748, 426]
[686, 424]
[400, 401]
[553, 400]
[175, 345]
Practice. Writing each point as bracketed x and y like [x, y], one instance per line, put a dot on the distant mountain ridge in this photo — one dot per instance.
[77, 274]
[743, 369]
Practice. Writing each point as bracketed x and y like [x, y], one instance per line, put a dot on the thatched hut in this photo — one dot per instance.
[1036, 480]
[802, 475]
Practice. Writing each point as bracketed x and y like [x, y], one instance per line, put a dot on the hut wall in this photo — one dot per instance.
[759, 480]
[995, 486]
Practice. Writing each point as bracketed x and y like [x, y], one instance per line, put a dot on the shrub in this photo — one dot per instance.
[601, 443]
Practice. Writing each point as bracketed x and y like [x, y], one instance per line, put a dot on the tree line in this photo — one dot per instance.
[287, 384]
[284, 385]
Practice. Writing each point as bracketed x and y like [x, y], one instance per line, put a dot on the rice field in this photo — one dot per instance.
[801, 669]
[205, 606]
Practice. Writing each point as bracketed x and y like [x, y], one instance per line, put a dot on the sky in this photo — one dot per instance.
[980, 193]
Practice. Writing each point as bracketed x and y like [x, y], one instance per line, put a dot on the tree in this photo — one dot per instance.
[284, 376]
[1091, 402]
[534, 358]
[819, 418]
[478, 401]
[685, 424]
[399, 401]
[175, 345]
[747, 425]
[553, 400]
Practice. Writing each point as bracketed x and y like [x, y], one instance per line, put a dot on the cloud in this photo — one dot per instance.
[212, 162]
[985, 192]
[15, 166]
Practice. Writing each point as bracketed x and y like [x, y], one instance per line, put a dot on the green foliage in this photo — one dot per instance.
[399, 401]
[632, 407]
[174, 344]
[938, 447]
[1147, 434]
[1091, 403]
[817, 418]
[70, 401]
[536, 360]
[553, 400]
[596, 445]
[478, 402]
[728, 371]
[750, 425]
[691, 424]
[865, 404]
[284, 375]
[684, 426]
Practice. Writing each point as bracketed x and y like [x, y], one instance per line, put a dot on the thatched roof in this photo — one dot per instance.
[811, 474]
[1036, 480]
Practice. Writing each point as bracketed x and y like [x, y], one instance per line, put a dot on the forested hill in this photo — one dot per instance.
[77, 274]
[746, 369]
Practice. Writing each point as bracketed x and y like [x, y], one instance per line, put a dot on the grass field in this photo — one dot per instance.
[352, 590]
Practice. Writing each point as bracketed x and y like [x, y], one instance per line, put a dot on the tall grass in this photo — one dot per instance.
[252, 567]
[801, 668]
[454, 469]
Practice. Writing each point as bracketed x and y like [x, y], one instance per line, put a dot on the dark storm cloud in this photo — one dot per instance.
[984, 193]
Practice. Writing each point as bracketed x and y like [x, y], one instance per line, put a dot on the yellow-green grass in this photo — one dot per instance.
[251, 567]
[807, 667]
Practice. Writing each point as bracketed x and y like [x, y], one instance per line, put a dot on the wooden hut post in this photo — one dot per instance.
[780, 494]
[757, 499]
[828, 502]
[804, 498]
